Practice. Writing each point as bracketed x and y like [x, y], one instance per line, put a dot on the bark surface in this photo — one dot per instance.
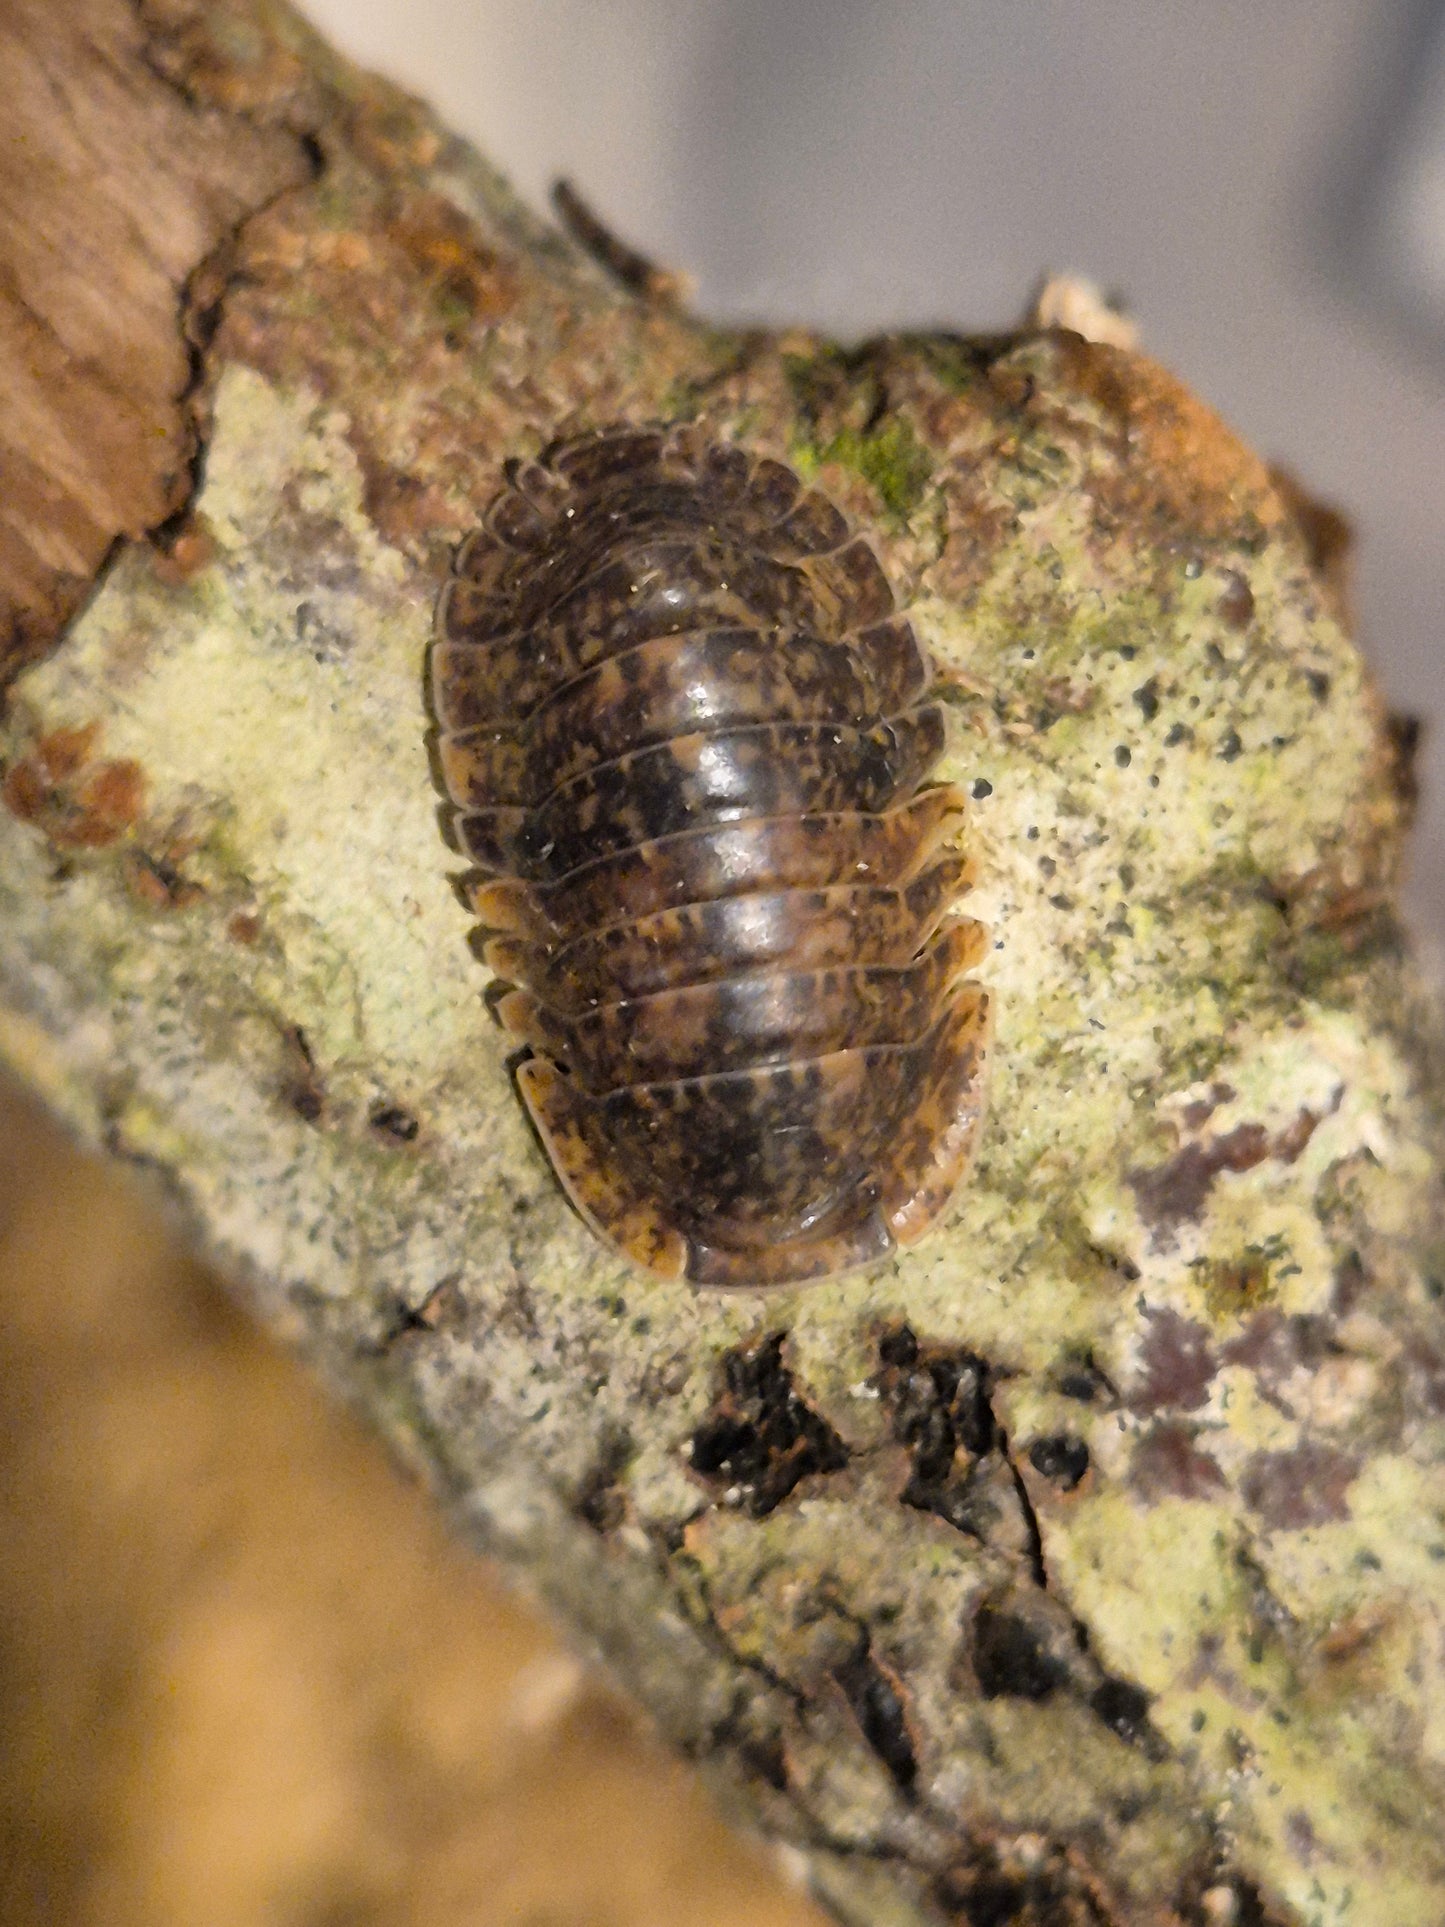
[1085, 1565]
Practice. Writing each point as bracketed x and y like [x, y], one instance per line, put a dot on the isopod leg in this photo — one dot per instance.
[566, 1123]
[933, 1149]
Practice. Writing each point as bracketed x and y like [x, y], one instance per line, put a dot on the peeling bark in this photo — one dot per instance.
[118, 195]
[1086, 1563]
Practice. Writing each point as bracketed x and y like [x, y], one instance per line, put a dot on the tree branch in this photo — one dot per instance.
[1084, 1564]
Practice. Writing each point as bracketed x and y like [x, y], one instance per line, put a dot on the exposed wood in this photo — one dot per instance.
[116, 190]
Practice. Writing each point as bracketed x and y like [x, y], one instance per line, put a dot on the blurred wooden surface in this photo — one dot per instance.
[246, 1677]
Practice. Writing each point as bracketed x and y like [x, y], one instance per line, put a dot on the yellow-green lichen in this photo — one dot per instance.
[890, 459]
[1194, 1248]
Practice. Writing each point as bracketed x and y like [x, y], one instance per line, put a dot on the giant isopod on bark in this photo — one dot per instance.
[687, 737]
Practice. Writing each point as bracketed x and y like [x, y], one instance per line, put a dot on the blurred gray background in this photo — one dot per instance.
[1262, 181]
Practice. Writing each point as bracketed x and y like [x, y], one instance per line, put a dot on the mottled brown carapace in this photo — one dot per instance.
[687, 736]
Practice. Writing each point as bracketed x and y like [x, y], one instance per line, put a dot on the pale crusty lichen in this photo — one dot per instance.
[1160, 1633]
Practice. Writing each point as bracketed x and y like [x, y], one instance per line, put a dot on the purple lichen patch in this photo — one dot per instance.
[1168, 1463]
[1275, 1347]
[1176, 1192]
[1304, 1486]
[1177, 1365]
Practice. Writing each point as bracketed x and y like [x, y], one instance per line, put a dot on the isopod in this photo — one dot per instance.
[687, 738]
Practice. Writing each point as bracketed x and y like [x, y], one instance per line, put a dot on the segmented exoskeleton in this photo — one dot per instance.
[688, 736]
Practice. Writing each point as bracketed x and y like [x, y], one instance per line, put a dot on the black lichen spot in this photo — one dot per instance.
[1123, 755]
[940, 1403]
[761, 1436]
[1147, 697]
[765, 1754]
[1063, 1460]
[1404, 734]
[600, 1500]
[1082, 1379]
[1230, 747]
[304, 1091]
[444, 1309]
[1318, 684]
[1351, 1282]
[1001, 1886]
[985, 1898]
[1178, 733]
[1010, 1661]
[1078, 1385]
[159, 883]
[898, 1347]
[1250, 1907]
[1118, 1703]
[982, 788]
[1124, 1709]
[878, 1708]
[391, 1121]
[1236, 601]
[1025, 1648]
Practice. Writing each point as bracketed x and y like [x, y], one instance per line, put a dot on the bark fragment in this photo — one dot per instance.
[116, 193]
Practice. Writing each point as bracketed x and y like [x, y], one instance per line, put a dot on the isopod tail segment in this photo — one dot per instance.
[920, 1173]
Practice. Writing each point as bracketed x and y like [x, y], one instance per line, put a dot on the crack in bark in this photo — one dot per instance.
[711, 1628]
[942, 1408]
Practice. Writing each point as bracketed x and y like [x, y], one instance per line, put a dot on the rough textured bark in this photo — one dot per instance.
[1088, 1563]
